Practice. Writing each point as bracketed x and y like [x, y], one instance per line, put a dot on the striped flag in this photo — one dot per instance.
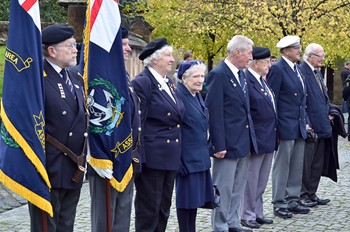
[22, 140]
[108, 98]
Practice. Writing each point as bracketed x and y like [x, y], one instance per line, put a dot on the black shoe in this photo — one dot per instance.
[307, 203]
[282, 213]
[320, 201]
[250, 223]
[239, 229]
[298, 209]
[264, 220]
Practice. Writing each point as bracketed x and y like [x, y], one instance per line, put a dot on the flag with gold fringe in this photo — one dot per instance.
[22, 140]
[108, 99]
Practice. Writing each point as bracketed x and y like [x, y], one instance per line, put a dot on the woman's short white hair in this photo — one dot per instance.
[147, 62]
[189, 71]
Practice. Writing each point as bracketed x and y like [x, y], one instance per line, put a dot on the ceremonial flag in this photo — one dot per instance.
[22, 140]
[108, 99]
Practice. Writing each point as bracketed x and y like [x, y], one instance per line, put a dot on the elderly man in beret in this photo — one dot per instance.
[319, 119]
[231, 131]
[290, 90]
[263, 111]
[66, 127]
[162, 113]
[120, 202]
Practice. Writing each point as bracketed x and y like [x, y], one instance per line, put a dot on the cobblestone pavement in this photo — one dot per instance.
[330, 218]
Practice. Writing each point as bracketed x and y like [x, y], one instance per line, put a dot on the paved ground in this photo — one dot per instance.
[330, 218]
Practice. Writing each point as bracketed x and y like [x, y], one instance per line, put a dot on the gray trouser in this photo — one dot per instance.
[120, 205]
[287, 172]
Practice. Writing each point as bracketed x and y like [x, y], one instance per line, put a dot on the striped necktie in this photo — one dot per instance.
[68, 82]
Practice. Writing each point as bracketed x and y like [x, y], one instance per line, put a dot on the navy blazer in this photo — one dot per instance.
[230, 124]
[263, 114]
[66, 120]
[161, 121]
[194, 133]
[317, 102]
[291, 101]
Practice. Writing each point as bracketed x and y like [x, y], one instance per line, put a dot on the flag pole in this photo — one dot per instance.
[43, 221]
[108, 206]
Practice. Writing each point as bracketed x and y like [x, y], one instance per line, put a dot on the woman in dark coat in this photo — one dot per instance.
[194, 185]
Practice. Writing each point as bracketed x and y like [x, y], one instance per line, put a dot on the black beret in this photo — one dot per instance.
[151, 47]
[125, 33]
[261, 53]
[56, 33]
[186, 65]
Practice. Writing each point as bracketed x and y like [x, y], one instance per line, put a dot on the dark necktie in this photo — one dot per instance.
[242, 82]
[266, 90]
[298, 75]
[67, 81]
[318, 79]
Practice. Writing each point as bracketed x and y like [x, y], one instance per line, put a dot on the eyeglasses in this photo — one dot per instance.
[69, 46]
[266, 62]
[320, 56]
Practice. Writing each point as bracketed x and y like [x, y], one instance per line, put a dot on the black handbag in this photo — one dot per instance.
[216, 201]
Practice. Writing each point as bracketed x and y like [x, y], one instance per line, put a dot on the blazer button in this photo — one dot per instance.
[178, 125]
[169, 114]
[169, 127]
[139, 128]
[139, 112]
[70, 134]
[246, 126]
[295, 94]
[167, 141]
[176, 140]
[86, 134]
[64, 112]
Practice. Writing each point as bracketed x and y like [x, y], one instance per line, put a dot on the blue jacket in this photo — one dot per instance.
[230, 124]
[291, 101]
[161, 121]
[317, 102]
[263, 114]
[65, 120]
[194, 133]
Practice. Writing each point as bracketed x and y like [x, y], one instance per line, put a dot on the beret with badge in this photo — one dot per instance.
[288, 41]
[151, 47]
[57, 33]
[261, 53]
[184, 66]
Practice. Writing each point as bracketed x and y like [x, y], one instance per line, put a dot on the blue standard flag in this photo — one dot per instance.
[108, 100]
[22, 140]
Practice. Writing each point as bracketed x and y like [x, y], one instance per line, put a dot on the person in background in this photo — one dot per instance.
[188, 56]
[231, 131]
[194, 187]
[319, 120]
[263, 111]
[66, 126]
[345, 73]
[121, 202]
[290, 91]
[273, 59]
[162, 114]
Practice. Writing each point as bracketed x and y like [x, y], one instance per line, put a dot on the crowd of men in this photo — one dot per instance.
[259, 110]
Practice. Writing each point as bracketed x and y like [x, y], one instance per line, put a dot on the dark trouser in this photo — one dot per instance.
[64, 203]
[120, 205]
[312, 170]
[154, 189]
[186, 219]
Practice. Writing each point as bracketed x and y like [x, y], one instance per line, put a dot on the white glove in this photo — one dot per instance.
[102, 172]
